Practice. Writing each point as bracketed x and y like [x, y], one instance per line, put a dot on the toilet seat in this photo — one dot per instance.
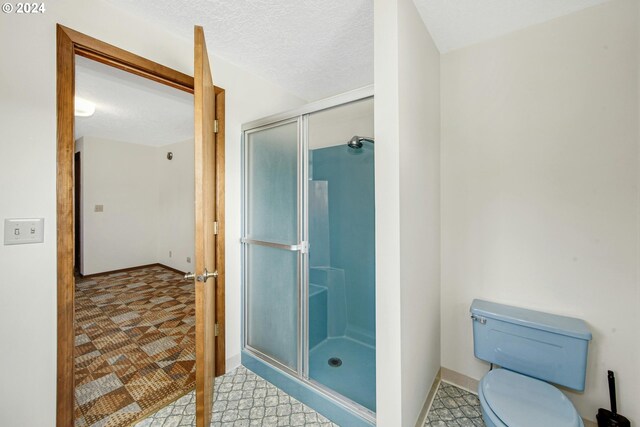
[510, 399]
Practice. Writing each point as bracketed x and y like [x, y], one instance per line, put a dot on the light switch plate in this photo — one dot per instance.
[20, 231]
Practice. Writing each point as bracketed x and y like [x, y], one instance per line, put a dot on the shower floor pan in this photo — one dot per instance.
[354, 378]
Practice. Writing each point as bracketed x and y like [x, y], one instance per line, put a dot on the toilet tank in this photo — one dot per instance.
[541, 345]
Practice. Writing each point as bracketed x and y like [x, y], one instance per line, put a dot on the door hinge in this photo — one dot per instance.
[216, 228]
[215, 126]
[216, 329]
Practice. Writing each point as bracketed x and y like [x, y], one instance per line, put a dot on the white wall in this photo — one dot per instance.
[336, 126]
[540, 188]
[28, 174]
[387, 177]
[407, 131]
[419, 95]
[148, 205]
[123, 178]
[176, 205]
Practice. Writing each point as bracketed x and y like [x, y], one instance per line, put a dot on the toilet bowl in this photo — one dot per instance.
[533, 349]
[510, 399]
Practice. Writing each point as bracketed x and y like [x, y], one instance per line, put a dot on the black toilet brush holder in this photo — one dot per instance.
[611, 418]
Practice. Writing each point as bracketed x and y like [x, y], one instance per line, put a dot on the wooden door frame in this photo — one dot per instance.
[69, 44]
[77, 201]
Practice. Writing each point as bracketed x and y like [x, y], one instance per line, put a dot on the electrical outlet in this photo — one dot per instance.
[170, 254]
[189, 259]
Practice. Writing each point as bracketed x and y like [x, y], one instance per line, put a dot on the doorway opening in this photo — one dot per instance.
[209, 206]
[135, 237]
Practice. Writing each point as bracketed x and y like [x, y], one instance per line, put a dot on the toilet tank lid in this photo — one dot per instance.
[562, 325]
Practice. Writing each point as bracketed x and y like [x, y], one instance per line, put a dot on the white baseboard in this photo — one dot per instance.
[471, 385]
[459, 380]
[233, 362]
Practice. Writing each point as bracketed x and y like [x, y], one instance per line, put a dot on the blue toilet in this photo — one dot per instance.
[532, 349]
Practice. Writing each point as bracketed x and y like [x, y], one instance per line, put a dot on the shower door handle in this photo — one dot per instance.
[302, 247]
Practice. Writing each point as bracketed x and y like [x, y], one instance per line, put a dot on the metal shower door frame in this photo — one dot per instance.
[300, 247]
[301, 116]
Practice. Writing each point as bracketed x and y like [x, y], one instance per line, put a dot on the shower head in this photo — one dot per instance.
[356, 141]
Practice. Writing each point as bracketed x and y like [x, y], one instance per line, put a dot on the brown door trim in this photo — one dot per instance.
[77, 202]
[220, 247]
[69, 44]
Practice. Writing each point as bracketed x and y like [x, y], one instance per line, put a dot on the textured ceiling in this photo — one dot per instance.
[315, 48]
[457, 23]
[131, 108]
[311, 48]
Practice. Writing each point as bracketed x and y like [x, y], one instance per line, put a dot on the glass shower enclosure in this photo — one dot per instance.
[309, 255]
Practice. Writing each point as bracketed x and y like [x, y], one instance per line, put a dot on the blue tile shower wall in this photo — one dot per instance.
[341, 207]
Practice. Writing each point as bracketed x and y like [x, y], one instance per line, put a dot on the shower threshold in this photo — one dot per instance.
[319, 397]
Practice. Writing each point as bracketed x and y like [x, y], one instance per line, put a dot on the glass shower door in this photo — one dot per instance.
[341, 218]
[272, 242]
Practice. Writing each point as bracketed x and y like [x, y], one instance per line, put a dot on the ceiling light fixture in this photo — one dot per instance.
[84, 108]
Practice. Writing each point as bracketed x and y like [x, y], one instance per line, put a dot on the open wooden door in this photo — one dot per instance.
[205, 175]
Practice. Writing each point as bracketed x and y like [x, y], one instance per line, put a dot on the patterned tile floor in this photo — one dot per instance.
[454, 407]
[135, 347]
[241, 399]
[245, 399]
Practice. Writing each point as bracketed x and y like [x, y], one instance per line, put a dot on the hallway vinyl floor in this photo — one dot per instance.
[134, 345]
